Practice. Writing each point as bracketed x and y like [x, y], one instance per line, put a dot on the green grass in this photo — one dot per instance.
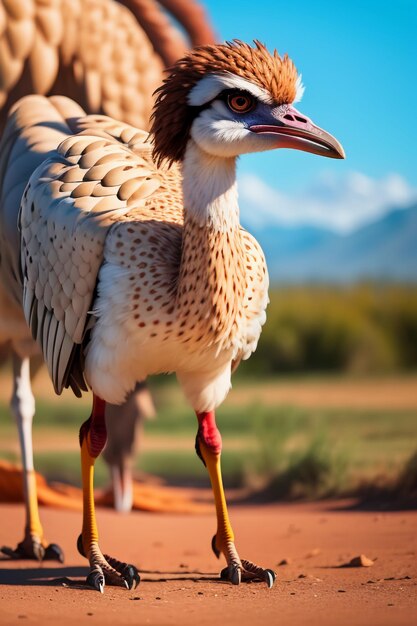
[294, 451]
[309, 452]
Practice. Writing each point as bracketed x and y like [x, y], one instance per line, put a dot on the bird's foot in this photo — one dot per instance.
[238, 570]
[247, 572]
[105, 569]
[33, 547]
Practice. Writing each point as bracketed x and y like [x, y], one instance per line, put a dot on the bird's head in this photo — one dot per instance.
[233, 99]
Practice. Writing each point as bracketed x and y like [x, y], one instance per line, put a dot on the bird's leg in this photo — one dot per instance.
[104, 569]
[124, 428]
[208, 448]
[34, 545]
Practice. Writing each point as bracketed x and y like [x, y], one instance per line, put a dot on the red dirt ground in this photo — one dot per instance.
[179, 574]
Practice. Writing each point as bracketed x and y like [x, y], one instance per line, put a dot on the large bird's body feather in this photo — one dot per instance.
[114, 285]
[93, 50]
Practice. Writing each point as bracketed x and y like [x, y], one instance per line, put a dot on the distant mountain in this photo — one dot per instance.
[383, 250]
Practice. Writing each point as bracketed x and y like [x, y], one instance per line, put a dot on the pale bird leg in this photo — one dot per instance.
[103, 569]
[208, 447]
[122, 482]
[34, 545]
[124, 425]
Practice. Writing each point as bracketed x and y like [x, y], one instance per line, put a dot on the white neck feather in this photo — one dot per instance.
[210, 189]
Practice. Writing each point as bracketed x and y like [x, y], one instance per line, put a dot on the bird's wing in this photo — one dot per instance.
[101, 125]
[256, 296]
[70, 203]
[36, 125]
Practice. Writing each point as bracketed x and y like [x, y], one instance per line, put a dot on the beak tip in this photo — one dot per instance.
[342, 154]
[338, 152]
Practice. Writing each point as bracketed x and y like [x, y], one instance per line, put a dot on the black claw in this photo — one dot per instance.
[9, 552]
[54, 553]
[273, 574]
[38, 551]
[270, 577]
[235, 575]
[131, 577]
[214, 547]
[80, 546]
[96, 581]
[224, 574]
[232, 574]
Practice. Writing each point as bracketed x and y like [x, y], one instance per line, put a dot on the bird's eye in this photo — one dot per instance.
[240, 103]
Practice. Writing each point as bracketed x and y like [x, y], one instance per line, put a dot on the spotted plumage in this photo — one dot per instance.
[114, 217]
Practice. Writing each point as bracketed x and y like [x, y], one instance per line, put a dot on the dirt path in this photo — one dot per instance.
[391, 392]
[179, 584]
[385, 393]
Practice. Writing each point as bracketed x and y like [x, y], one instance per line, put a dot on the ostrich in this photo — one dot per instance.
[128, 257]
[96, 52]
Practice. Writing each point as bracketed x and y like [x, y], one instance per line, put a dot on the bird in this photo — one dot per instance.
[126, 253]
[107, 55]
[110, 57]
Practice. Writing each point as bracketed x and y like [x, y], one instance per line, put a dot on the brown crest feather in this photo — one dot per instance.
[173, 116]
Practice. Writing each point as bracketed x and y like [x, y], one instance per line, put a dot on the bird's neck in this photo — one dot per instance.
[212, 274]
[210, 190]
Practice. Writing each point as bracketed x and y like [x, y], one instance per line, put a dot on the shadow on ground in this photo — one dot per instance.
[43, 576]
[75, 576]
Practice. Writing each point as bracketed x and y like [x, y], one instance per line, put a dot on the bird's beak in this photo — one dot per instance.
[297, 131]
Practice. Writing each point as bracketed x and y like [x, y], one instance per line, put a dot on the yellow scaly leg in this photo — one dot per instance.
[208, 446]
[103, 568]
[34, 544]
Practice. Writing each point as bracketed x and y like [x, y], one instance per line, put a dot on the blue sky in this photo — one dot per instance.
[358, 63]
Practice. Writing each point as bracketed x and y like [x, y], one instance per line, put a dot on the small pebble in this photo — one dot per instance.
[341, 590]
[284, 562]
[359, 561]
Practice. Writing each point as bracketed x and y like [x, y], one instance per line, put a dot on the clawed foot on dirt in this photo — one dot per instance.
[105, 569]
[34, 548]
